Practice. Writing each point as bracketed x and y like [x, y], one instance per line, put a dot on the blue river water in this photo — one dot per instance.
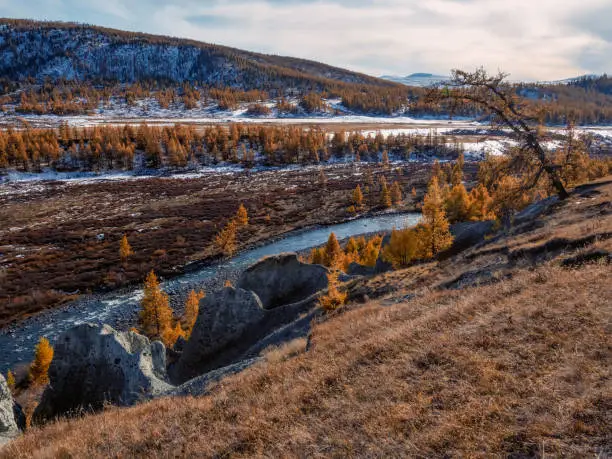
[17, 343]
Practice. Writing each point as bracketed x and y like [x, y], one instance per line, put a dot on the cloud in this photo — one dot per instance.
[544, 39]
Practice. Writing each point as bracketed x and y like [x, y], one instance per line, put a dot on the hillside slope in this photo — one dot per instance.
[88, 53]
[503, 350]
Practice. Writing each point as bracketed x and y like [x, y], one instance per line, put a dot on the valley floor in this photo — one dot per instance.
[502, 350]
[60, 239]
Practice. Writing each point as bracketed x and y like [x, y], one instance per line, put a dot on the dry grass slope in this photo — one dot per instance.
[519, 368]
[498, 352]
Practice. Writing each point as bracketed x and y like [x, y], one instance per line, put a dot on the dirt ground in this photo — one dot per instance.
[61, 239]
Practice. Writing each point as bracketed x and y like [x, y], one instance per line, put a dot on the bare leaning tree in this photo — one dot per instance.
[506, 110]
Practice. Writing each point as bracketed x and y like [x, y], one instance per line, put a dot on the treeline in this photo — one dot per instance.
[554, 104]
[111, 148]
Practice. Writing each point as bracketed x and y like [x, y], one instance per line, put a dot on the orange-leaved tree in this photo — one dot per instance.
[458, 204]
[192, 307]
[10, 380]
[242, 217]
[155, 318]
[385, 194]
[396, 194]
[43, 356]
[357, 197]
[436, 225]
[125, 250]
[333, 252]
[225, 240]
[334, 298]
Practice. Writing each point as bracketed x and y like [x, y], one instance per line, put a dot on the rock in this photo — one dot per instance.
[197, 387]
[466, 235]
[8, 424]
[95, 364]
[355, 269]
[158, 358]
[229, 323]
[180, 344]
[223, 318]
[533, 211]
[283, 279]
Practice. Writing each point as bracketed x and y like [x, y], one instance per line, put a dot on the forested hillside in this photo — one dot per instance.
[39, 50]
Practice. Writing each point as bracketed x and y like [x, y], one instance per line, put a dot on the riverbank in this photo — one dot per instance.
[119, 308]
[60, 238]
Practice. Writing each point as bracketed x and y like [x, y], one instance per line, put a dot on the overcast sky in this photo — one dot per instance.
[530, 39]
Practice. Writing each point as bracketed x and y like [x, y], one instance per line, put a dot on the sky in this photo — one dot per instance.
[529, 39]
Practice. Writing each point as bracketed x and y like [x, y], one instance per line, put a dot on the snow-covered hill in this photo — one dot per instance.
[74, 51]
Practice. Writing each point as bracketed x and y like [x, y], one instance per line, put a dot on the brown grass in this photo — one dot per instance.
[49, 249]
[520, 368]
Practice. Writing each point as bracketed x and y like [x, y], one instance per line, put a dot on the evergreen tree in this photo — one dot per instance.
[155, 314]
[43, 356]
[438, 234]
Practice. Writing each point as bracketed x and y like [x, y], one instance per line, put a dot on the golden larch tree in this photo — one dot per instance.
[385, 194]
[396, 194]
[155, 314]
[317, 256]
[333, 252]
[242, 216]
[457, 172]
[481, 204]
[192, 308]
[10, 380]
[225, 240]
[438, 233]
[403, 248]
[43, 356]
[458, 204]
[385, 159]
[125, 250]
[334, 298]
[369, 254]
[358, 197]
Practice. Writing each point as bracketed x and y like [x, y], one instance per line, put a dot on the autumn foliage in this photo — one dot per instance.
[125, 250]
[43, 355]
[225, 240]
[155, 318]
[192, 307]
[334, 298]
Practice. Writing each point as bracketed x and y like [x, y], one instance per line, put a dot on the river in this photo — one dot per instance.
[118, 308]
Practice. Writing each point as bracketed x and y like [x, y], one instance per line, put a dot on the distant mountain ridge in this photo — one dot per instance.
[416, 79]
[59, 50]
